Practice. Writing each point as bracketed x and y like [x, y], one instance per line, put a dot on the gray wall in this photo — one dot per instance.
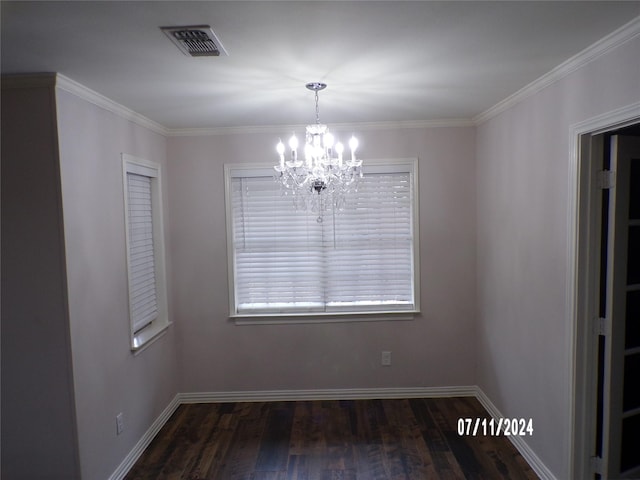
[38, 410]
[108, 378]
[435, 349]
[524, 331]
[67, 369]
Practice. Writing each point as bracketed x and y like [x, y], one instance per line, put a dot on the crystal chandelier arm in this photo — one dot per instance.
[293, 144]
[353, 145]
[339, 150]
[280, 150]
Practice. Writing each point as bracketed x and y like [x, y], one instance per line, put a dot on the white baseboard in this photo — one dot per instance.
[327, 394]
[529, 455]
[146, 439]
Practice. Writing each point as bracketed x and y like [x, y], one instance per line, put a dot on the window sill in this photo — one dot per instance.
[291, 319]
[147, 337]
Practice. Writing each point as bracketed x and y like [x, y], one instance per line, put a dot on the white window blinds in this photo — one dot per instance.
[142, 276]
[358, 260]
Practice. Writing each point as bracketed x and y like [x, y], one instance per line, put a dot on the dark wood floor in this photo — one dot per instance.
[328, 440]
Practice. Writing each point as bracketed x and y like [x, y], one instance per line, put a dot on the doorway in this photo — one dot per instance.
[607, 361]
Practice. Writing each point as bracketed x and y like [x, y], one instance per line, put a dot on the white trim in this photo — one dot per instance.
[605, 122]
[327, 394]
[148, 337]
[620, 36]
[323, 317]
[99, 100]
[380, 165]
[576, 344]
[146, 440]
[130, 164]
[525, 450]
[278, 129]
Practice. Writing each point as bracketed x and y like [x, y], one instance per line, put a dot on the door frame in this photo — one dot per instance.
[582, 278]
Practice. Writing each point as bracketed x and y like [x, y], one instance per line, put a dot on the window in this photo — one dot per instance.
[360, 261]
[145, 250]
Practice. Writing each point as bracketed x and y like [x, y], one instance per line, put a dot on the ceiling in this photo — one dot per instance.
[383, 61]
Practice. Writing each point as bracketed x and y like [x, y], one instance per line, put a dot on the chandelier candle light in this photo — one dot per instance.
[324, 178]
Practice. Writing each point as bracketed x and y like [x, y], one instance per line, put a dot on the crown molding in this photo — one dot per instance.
[99, 100]
[615, 39]
[65, 83]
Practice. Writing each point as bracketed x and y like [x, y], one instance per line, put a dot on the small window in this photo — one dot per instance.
[145, 250]
[360, 261]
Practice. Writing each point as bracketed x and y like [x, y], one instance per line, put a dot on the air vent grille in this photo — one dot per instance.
[195, 41]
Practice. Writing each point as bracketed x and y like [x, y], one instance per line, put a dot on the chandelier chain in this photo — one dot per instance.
[317, 110]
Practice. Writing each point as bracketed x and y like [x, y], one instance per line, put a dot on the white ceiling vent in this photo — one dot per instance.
[196, 41]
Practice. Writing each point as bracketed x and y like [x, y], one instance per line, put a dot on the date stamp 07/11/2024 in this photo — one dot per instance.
[494, 427]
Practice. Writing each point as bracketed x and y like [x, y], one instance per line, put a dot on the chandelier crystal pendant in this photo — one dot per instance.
[322, 179]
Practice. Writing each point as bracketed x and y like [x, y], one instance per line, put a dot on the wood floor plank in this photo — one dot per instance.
[298, 468]
[433, 438]
[244, 446]
[179, 460]
[348, 474]
[413, 439]
[368, 460]
[274, 448]
[206, 442]
[339, 451]
[222, 445]
[268, 475]
[414, 455]
[392, 461]
[301, 430]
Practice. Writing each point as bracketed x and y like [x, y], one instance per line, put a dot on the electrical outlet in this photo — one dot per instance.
[386, 358]
[119, 423]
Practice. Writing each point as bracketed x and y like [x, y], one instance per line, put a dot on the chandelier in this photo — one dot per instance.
[322, 179]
